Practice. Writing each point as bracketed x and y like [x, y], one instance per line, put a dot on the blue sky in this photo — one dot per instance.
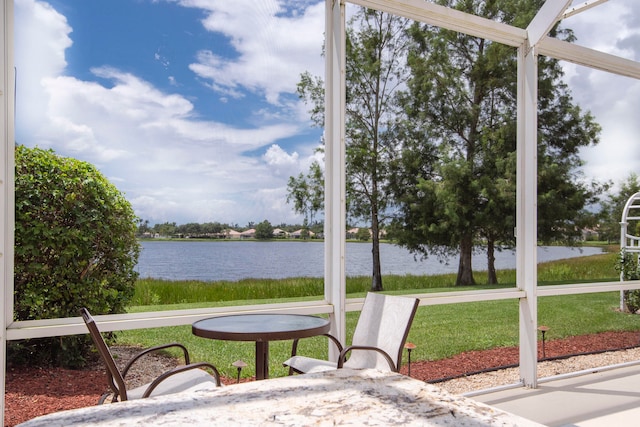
[189, 106]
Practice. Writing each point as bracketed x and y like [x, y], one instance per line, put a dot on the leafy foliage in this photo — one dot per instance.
[363, 234]
[264, 230]
[75, 246]
[431, 134]
[461, 98]
[307, 192]
[629, 266]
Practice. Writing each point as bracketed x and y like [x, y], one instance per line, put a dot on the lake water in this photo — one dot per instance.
[235, 260]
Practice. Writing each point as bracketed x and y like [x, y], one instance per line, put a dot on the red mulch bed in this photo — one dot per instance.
[34, 391]
[473, 361]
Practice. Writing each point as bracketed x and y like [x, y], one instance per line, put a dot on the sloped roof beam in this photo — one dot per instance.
[545, 19]
[433, 14]
[588, 57]
[581, 8]
[451, 19]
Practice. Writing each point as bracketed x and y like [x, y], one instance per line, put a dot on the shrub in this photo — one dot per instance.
[630, 269]
[363, 234]
[75, 247]
[264, 230]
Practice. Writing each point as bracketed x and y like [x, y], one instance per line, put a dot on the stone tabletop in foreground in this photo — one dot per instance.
[347, 397]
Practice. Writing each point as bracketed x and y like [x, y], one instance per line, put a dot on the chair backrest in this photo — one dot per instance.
[384, 323]
[114, 376]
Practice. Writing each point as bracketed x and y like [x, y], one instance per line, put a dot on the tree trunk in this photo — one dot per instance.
[376, 278]
[465, 271]
[492, 277]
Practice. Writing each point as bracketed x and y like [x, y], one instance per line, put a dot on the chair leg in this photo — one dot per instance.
[294, 351]
[104, 397]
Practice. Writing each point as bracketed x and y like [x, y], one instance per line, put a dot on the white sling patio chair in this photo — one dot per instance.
[180, 378]
[378, 340]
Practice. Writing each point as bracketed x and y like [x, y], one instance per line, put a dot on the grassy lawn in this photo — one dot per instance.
[438, 331]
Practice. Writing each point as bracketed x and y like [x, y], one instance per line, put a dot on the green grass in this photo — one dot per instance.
[438, 331]
[164, 292]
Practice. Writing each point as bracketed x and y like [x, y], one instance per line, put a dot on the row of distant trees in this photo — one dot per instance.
[264, 229]
[431, 138]
[605, 218]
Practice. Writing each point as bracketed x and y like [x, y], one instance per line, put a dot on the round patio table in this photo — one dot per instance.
[261, 328]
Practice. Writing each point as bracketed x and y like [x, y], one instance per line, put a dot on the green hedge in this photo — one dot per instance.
[75, 246]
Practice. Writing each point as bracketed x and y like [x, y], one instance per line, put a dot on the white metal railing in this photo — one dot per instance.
[117, 322]
[632, 243]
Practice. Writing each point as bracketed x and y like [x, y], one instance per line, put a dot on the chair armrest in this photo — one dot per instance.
[151, 350]
[178, 370]
[294, 348]
[343, 355]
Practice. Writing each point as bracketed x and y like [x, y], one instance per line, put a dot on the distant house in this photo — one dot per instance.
[248, 234]
[589, 234]
[299, 233]
[352, 232]
[232, 234]
[278, 232]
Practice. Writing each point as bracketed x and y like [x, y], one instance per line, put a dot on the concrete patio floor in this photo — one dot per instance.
[608, 397]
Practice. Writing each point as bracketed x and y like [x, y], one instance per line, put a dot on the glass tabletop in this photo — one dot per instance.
[255, 327]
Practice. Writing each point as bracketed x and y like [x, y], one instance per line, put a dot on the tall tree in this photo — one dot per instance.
[375, 70]
[462, 95]
[166, 229]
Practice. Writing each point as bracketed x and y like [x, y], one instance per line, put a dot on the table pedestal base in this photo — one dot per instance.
[262, 360]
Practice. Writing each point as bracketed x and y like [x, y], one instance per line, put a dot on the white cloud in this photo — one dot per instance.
[171, 163]
[277, 156]
[612, 27]
[274, 200]
[46, 41]
[280, 44]
[282, 163]
[608, 27]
